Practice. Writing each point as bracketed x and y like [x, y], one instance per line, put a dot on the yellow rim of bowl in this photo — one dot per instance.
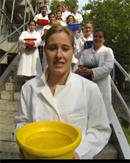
[52, 152]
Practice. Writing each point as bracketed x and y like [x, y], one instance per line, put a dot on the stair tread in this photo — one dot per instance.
[8, 101]
[108, 152]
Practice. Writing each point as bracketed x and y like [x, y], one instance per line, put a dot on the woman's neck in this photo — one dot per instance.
[96, 48]
[54, 80]
[31, 30]
[87, 36]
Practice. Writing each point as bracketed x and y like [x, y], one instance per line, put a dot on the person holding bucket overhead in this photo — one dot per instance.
[60, 95]
[88, 35]
[96, 64]
[29, 64]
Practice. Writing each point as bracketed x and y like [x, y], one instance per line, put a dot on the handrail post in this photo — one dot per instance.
[122, 70]
[127, 111]
[14, 32]
[12, 13]
[1, 21]
[25, 14]
[113, 92]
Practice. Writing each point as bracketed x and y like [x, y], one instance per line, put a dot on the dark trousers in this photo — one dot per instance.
[40, 48]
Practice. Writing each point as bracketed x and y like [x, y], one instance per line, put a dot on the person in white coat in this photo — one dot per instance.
[60, 95]
[42, 15]
[79, 43]
[88, 35]
[78, 17]
[96, 64]
[29, 64]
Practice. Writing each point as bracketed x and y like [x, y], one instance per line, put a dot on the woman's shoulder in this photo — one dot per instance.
[107, 48]
[33, 83]
[24, 32]
[81, 81]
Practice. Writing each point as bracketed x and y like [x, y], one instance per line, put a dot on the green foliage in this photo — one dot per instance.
[126, 130]
[114, 17]
[127, 133]
[54, 3]
[70, 4]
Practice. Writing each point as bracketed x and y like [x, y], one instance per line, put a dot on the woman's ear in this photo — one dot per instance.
[44, 49]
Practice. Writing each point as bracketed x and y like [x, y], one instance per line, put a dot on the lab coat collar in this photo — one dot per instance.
[44, 76]
[98, 49]
[46, 92]
[30, 31]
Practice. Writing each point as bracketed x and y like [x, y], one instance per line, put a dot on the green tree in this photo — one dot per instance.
[70, 4]
[114, 17]
[54, 3]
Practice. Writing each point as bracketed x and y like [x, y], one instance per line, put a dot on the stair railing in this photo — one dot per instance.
[122, 141]
[12, 13]
[8, 69]
[125, 148]
[122, 70]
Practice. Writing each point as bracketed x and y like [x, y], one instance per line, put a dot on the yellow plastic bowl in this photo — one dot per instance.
[48, 140]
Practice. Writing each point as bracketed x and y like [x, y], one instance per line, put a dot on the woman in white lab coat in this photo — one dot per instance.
[60, 95]
[29, 64]
[96, 64]
[79, 43]
[88, 35]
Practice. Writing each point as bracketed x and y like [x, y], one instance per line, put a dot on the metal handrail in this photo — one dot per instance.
[14, 32]
[5, 15]
[7, 52]
[1, 20]
[121, 98]
[9, 68]
[122, 70]
[120, 135]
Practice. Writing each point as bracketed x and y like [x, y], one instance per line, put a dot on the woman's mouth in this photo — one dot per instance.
[58, 64]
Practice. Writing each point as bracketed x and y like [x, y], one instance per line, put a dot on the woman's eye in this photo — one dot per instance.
[65, 48]
[52, 48]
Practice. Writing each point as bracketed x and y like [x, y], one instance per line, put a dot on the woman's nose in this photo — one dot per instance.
[59, 53]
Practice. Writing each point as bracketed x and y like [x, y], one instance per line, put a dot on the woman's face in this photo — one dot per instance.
[98, 39]
[59, 52]
[52, 18]
[32, 26]
[88, 29]
[58, 15]
[70, 20]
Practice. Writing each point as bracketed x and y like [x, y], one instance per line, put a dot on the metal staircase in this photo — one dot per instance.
[14, 18]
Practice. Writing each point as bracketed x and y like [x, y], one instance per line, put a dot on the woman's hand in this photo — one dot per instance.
[21, 155]
[76, 156]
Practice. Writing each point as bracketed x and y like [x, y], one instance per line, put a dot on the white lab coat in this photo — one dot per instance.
[78, 102]
[79, 47]
[65, 15]
[39, 27]
[104, 59]
[78, 17]
[29, 64]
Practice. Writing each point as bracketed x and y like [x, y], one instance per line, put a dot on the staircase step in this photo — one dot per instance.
[10, 147]
[7, 136]
[108, 152]
[9, 95]
[13, 86]
[7, 128]
[17, 96]
[7, 117]
[15, 79]
[7, 155]
[8, 105]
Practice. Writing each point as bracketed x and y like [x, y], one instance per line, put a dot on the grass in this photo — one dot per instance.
[126, 132]
[126, 129]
